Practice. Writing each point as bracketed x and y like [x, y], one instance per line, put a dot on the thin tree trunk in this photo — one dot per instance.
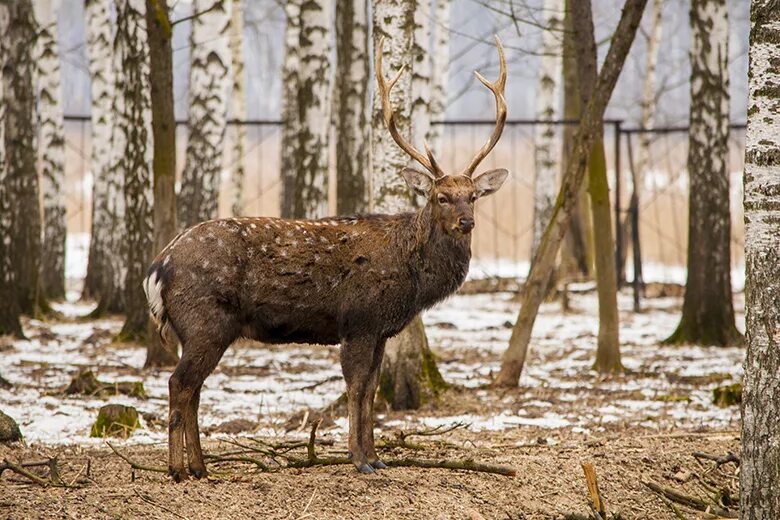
[290, 118]
[586, 135]
[308, 178]
[760, 466]
[9, 311]
[136, 162]
[546, 136]
[52, 150]
[421, 72]
[708, 313]
[207, 115]
[646, 120]
[99, 29]
[351, 107]
[22, 177]
[238, 104]
[440, 70]
[409, 376]
[164, 160]
[608, 351]
[577, 249]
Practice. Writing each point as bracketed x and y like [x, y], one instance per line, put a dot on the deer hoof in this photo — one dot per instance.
[364, 468]
[177, 474]
[378, 464]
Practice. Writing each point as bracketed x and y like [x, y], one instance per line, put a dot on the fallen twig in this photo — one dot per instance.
[54, 479]
[136, 465]
[688, 501]
[596, 503]
[718, 459]
[152, 502]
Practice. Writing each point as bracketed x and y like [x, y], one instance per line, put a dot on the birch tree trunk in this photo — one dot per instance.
[306, 186]
[22, 176]
[238, 104]
[571, 184]
[421, 72]
[440, 71]
[547, 109]
[646, 120]
[409, 376]
[51, 143]
[290, 118]
[207, 114]
[9, 311]
[708, 313]
[160, 33]
[99, 28]
[136, 160]
[760, 467]
[351, 107]
[608, 350]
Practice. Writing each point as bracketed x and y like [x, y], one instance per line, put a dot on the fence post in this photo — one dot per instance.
[619, 269]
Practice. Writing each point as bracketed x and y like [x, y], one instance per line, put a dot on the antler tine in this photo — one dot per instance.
[387, 112]
[497, 88]
[438, 172]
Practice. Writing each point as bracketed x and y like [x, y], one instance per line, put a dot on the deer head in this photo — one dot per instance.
[450, 197]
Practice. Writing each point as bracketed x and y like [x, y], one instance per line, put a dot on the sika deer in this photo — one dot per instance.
[356, 281]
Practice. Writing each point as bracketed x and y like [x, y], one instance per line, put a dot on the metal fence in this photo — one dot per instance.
[502, 239]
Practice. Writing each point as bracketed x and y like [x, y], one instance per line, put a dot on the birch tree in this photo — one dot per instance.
[51, 146]
[135, 160]
[440, 70]
[207, 113]
[290, 119]
[351, 107]
[547, 109]
[646, 120]
[421, 72]
[760, 466]
[106, 212]
[9, 311]
[238, 104]
[409, 375]
[21, 177]
[160, 33]
[586, 134]
[708, 313]
[608, 349]
[305, 186]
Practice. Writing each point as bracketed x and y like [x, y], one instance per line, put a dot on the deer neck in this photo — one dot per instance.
[442, 260]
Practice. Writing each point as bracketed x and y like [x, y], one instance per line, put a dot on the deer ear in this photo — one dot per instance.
[490, 181]
[420, 182]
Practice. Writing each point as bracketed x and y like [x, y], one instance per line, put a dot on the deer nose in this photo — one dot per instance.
[465, 224]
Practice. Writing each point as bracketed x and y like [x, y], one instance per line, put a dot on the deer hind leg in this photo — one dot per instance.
[356, 360]
[367, 418]
[192, 435]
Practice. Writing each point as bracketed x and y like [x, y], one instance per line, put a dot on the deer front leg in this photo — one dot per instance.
[356, 361]
[367, 418]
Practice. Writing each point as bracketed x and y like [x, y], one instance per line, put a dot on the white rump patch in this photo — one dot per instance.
[153, 289]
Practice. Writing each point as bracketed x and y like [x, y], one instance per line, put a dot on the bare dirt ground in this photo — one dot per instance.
[549, 482]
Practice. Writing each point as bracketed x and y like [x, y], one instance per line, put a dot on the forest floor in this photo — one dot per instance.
[641, 426]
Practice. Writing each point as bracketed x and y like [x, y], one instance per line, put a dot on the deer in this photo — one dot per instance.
[354, 281]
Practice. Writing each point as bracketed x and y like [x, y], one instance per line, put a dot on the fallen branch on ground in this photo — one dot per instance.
[718, 459]
[689, 501]
[312, 459]
[54, 479]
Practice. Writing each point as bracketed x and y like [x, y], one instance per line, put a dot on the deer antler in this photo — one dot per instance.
[429, 163]
[497, 89]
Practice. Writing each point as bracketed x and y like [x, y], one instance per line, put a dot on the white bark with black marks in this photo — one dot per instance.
[760, 466]
[207, 113]
[238, 104]
[421, 73]
[99, 43]
[440, 70]
[51, 147]
[306, 183]
[135, 159]
[351, 107]
[546, 136]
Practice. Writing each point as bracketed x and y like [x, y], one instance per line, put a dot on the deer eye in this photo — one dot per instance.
[473, 198]
[442, 199]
